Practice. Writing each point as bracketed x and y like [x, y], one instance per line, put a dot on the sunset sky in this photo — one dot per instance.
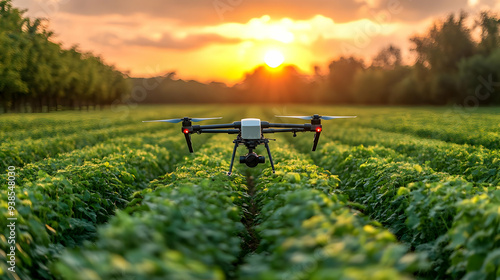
[222, 39]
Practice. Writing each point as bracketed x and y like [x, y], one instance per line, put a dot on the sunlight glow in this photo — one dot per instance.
[233, 47]
[280, 34]
[274, 58]
[473, 3]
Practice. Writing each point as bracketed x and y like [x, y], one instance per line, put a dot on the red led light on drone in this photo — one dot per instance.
[318, 129]
[186, 131]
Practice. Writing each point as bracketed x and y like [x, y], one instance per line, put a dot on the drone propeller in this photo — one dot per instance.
[316, 124]
[326, 118]
[186, 124]
[186, 119]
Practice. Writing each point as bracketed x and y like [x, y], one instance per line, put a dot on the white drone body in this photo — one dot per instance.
[251, 129]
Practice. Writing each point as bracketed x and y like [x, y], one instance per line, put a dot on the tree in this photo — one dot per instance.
[13, 56]
[284, 85]
[12, 18]
[37, 72]
[445, 44]
[373, 86]
[408, 91]
[12, 61]
[479, 78]
[490, 32]
[341, 78]
[388, 58]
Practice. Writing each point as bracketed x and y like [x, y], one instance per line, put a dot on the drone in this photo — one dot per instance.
[250, 132]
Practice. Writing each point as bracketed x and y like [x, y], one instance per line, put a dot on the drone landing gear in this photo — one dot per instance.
[251, 159]
[270, 157]
[232, 158]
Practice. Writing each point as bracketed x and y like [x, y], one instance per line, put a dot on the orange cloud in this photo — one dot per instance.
[221, 39]
[167, 41]
[200, 12]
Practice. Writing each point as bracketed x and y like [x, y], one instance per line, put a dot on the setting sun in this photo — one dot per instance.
[274, 58]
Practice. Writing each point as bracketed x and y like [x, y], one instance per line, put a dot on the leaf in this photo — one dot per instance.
[50, 229]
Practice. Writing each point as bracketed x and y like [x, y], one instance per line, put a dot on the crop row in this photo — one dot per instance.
[64, 124]
[59, 205]
[111, 146]
[456, 125]
[475, 163]
[422, 207]
[186, 225]
[453, 133]
[49, 137]
[118, 115]
[307, 229]
[115, 116]
[63, 129]
[19, 122]
[19, 153]
[65, 197]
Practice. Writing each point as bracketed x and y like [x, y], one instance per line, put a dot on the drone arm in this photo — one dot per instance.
[228, 131]
[273, 130]
[196, 128]
[306, 127]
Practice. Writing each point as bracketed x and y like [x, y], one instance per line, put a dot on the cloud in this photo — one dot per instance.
[106, 39]
[215, 12]
[194, 41]
[301, 31]
[202, 12]
[228, 36]
[124, 23]
[365, 47]
[196, 12]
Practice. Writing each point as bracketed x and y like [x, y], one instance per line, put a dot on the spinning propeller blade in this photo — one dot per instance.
[204, 119]
[190, 119]
[186, 127]
[316, 124]
[169, 121]
[296, 117]
[326, 118]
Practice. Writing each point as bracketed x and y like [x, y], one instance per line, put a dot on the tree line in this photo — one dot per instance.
[452, 66]
[37, 74]
[457, 62]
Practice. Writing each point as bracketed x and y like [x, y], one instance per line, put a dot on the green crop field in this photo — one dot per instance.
[397, 193]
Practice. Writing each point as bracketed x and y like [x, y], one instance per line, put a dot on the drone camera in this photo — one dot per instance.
[252, 159]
